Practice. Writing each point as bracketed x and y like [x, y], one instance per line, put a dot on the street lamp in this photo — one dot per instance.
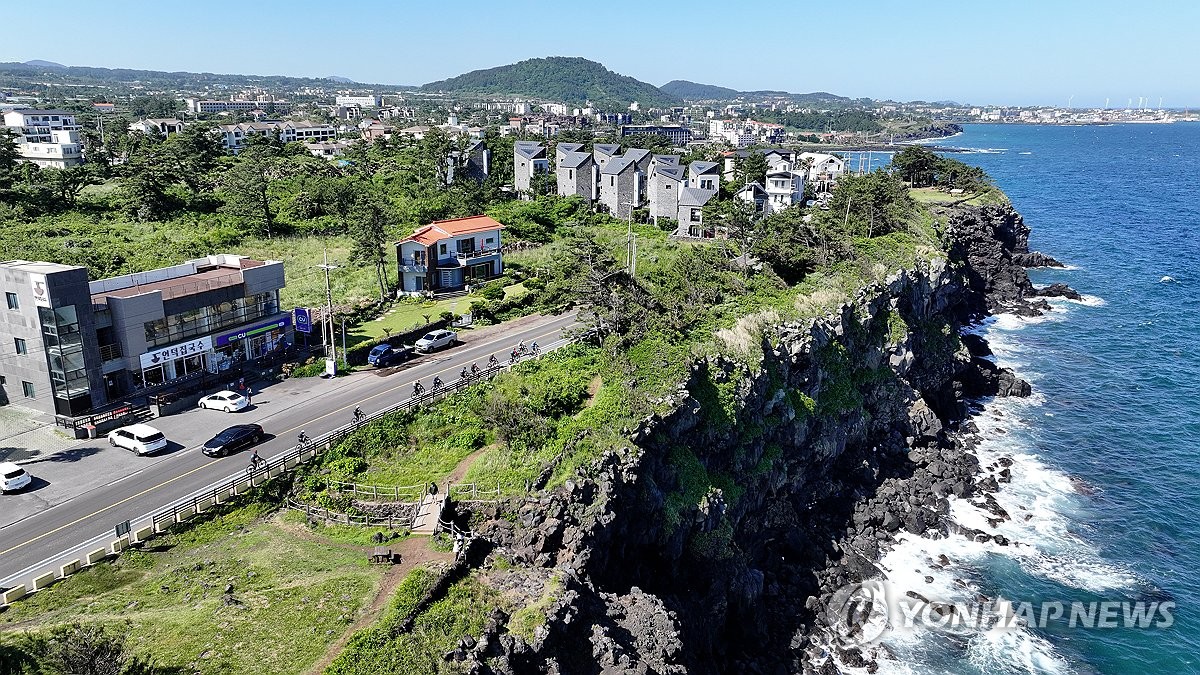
[630, 242]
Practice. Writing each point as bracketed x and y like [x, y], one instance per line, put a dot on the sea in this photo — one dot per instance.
[1104, 499]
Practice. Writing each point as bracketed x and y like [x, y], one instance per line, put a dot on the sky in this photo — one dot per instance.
[1011, 52]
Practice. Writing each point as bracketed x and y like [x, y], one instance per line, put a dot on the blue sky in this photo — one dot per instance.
[1008, 52]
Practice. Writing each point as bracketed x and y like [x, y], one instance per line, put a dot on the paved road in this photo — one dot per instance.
[84, 491]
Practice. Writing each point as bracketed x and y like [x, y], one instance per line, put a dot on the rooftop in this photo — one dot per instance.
[37, 267]
[442, 229]
[189, 278]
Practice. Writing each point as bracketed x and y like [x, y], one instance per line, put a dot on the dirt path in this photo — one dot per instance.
[459, 471]
[413, 552]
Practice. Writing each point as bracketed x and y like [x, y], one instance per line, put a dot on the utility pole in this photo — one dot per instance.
[330, 350]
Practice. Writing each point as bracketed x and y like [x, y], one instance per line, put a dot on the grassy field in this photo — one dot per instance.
[935, 196]
[294, 593]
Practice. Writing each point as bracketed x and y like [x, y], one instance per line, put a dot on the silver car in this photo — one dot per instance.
[435, 340]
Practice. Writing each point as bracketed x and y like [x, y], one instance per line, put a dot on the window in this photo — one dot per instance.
[442, 249]
[27, 389]
[3, 379]
[13, 302]
[22, 348]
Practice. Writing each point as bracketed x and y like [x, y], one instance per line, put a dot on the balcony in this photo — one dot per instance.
[110, 352]
[464, 259]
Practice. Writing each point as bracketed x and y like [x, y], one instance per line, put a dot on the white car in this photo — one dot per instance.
[229, 401]
[435, 340]
[13, 477]
[142, 439]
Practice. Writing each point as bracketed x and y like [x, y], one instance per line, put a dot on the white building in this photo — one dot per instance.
[822, 166]
[360, 101]
[260, 102]
[449, 254]
[233, 136]
[162, 126]
[46, 137]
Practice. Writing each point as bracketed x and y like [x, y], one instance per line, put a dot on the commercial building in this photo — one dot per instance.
[678, 134]
[360, 101]
[46, 137]
[70, 346]
[261, 102]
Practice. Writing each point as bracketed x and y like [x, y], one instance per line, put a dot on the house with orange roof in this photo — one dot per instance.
[446, 255]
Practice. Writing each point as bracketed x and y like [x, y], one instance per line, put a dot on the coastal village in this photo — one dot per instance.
[353, 379]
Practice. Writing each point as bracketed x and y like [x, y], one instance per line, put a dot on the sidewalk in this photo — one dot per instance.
[27, 434]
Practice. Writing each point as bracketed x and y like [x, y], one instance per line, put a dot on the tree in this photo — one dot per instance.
[64, 185]
[917, 164]
[751, 169]
[245, 187]
[193, 154]
[870, 205]
[791, 244]
[9, 156]
[370, 216]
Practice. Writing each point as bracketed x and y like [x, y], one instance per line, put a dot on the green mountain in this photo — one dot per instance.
[557, 78]
[694, 91]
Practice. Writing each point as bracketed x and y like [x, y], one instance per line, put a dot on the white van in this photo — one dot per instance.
[13, 477]
[142, 439]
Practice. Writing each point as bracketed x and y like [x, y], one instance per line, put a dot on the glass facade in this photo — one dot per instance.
[64, 353]
[210, 319]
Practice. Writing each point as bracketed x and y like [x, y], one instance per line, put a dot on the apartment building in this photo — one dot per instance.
[48, 138]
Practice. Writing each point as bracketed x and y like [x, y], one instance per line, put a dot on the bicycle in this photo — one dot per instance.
[534, 349]
[474, 369]
[358, 415]
[302, 440]
[418, 389]
[255, 460]
[493, 362]
[437, 383]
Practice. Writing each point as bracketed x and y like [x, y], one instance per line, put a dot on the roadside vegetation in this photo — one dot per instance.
[230, 592]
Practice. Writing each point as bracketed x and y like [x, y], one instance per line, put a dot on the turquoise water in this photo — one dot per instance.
[1106, 450]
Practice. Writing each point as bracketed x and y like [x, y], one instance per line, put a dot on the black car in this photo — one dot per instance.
[234, 438]
[386, 355]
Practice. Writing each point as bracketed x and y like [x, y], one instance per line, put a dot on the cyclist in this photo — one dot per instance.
[418, 388]
[437, 383]
[302, 439]
[521, 347]
[255, 460]
[474, 369]
[462, 375]
[493, 361]
[358, 414]
[534, 348]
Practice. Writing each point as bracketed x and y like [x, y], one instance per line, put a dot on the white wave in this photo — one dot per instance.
[1168, 280]
[1025, 153]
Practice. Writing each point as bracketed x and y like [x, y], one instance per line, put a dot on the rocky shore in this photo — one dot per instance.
[713, 543]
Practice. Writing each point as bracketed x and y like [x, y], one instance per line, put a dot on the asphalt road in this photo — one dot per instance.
[85, 491]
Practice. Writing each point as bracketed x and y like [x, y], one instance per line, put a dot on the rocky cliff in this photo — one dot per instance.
[713, 542]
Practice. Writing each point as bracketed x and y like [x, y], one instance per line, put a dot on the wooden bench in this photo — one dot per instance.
[382, 554]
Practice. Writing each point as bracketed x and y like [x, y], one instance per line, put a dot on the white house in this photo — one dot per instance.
[823, 166]
[162, 126]
[449, 254]
[46, 137]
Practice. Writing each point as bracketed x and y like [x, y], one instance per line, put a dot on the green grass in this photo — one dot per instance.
[461, 612]
[936, 196]
[294, 596]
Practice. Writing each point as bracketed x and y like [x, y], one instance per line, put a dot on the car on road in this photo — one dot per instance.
[386, 355]
[228, 401]
[13, 477]
[435, 340]
[235, 437]
[142, 439]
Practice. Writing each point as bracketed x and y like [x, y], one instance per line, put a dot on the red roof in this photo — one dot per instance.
[442, 229]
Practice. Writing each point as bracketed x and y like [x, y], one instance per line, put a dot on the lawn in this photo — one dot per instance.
[931, 195]
[411, 313]
[292, 596]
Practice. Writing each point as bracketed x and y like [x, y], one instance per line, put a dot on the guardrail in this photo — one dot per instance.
[146, 527]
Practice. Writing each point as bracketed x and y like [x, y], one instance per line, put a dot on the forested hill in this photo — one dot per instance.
[40, 74]
[695, 91]
[557, 78]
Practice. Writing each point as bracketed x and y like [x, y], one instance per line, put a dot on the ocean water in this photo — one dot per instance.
[1104, 498]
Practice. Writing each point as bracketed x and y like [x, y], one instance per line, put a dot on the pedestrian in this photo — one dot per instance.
[249, 396]
[432, 488]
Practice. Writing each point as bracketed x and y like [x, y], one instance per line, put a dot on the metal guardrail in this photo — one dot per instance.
[143, 528]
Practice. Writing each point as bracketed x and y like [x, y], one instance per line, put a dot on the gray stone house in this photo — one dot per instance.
[666, 182]
[529, 159]
[621, 186]
[576, 174]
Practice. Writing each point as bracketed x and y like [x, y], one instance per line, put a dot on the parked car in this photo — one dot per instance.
[386, 355]
[235, 437]
[229, 401]
[142, 439]
[13, 477]
[435, 340]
